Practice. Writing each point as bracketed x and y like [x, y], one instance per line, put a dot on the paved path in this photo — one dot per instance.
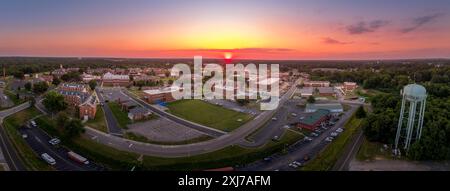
[111, 121]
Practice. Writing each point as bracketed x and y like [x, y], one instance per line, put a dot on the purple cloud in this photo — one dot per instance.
[366, 27]
[420, 21]
[328, 40]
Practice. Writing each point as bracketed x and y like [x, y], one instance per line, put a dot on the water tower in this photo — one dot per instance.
[411, 120]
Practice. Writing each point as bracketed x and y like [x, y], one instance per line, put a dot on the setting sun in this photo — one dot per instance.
[228, 55]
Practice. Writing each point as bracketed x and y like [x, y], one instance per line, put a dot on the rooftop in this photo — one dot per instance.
[312, 119]
[324, 106]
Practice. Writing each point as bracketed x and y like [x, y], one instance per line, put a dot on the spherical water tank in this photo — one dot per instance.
[414, 92]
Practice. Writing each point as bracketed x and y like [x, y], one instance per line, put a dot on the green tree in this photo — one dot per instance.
[311, 99]
[18, 74]
[56, 81]
[40, 87]
[92, 84]
[28, 86]
[70, 128]
[54, 102]
[360, 112]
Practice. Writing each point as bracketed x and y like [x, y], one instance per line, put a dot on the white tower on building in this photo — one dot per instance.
[411, 120]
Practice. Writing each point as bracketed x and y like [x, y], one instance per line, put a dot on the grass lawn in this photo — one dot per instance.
[326, 159]
[208, 114]
[13, 97]
[2, 168]
[98, 122]
[229, 156]
[29, 158]
[370, 150]
[121, 116]
[140, 138]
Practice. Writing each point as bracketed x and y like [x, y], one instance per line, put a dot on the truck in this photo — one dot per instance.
[77, 158]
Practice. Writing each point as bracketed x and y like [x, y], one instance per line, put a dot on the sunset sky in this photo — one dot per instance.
[249, 29]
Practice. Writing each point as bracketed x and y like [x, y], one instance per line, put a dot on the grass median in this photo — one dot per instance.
[121, 116]
[99, 121]
[208, 114]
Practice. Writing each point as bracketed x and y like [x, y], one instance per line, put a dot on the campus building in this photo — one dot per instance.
[326, 91]
[349, 86]
[138, 113]
[110, 79]
[160, 95]
[312, 121]
[316, 84]
[78, 96]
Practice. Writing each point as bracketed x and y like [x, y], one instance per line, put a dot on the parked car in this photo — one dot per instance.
[274, 119]
[329, 139]
[294, 114]
[339, 130]
[308, 139]
[314, 134]
[24, 136]
[33, 123]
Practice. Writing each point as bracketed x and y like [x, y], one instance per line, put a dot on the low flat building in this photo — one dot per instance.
[138, 113]
[159, 95]
[312, 121]
[331, 107]
[306, 91]
[326, 91]
[316, 84]
[127, 105]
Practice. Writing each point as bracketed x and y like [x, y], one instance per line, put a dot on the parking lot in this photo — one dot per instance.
[164, 130]
[304, 150]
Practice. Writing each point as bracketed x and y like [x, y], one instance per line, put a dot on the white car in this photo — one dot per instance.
[294, 114]
[334, 134]
[308, 138]
[329, 139]
[33, 123]
[24, 136]
[47, 158]
[339, 130]
[274, 119]
[54, 141]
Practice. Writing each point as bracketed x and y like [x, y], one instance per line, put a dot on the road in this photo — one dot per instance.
[299, 150]
[111, 121]
[38, 141]
[9, 152]
[232, 138]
